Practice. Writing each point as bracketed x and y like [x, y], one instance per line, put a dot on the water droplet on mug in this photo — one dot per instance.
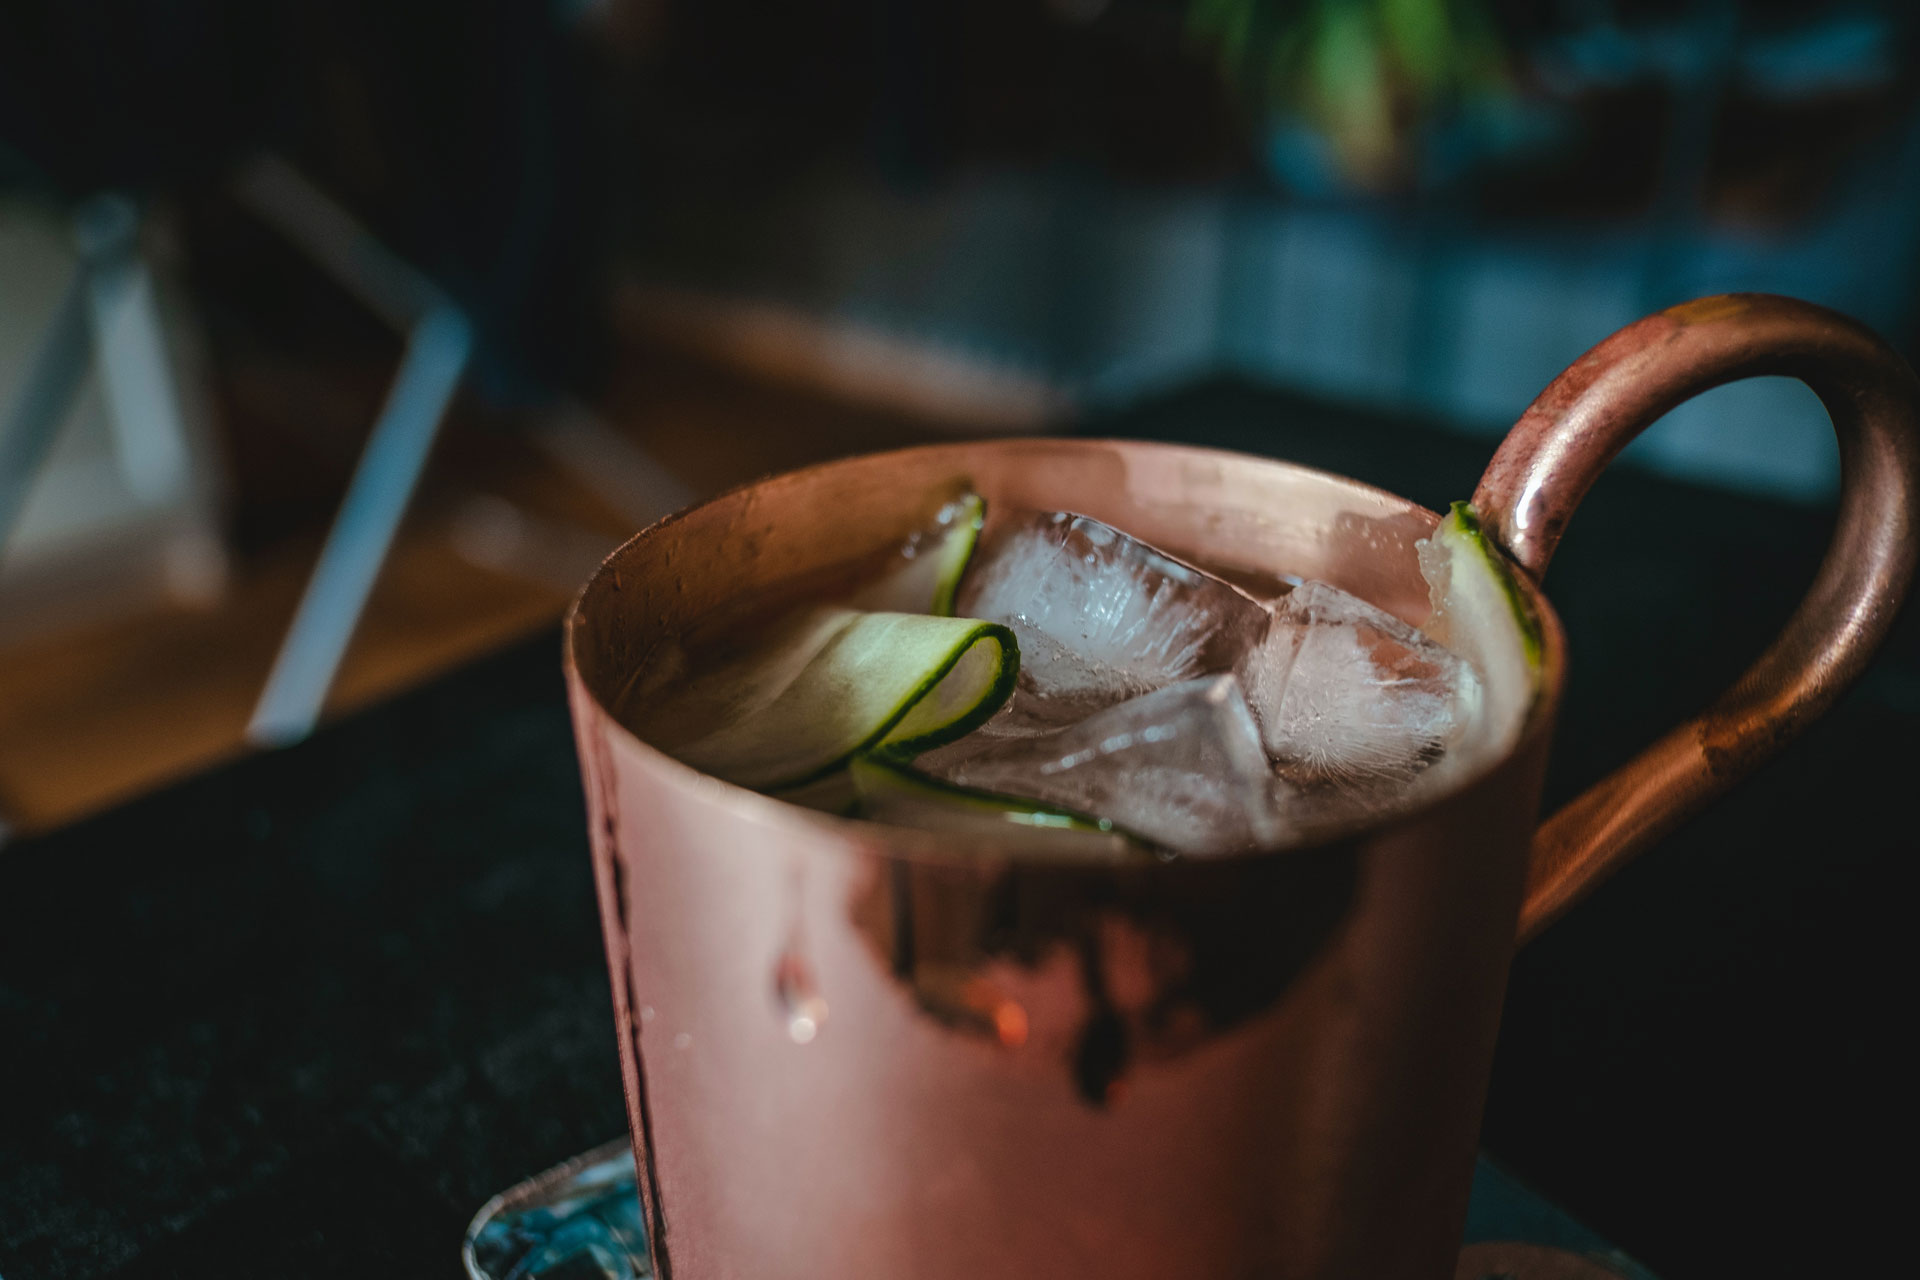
[683, 1041]
[646, 1013]
[804, 1024]
[800, 1000]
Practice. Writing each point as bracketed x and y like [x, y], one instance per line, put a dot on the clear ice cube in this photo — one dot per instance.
[1101, 617]
[1181, 766]
[1339, 709]
[1349, 695]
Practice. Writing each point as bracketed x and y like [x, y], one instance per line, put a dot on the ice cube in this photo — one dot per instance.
[1181, 766]
[1101, 617]
[1348, 694]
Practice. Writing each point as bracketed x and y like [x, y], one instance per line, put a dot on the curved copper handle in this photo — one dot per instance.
[1589, 413]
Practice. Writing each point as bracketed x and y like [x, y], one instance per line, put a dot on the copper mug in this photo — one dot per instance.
[853, 1051]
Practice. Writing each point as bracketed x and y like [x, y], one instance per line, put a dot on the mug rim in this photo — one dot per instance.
[925, 845]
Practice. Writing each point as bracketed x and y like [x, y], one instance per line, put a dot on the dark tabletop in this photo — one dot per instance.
[301, 1015]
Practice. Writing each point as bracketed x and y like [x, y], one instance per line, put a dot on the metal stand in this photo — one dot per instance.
[108, 314]
[439, 347]
[437, 352]
[439, 344]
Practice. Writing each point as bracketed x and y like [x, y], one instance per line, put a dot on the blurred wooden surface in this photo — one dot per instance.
[98, 714]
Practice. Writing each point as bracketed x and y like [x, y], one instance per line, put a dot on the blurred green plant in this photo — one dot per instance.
[1367, 75]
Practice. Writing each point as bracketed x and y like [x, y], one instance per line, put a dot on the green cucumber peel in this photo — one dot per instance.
[932, 562]
[879, 773]
[906, 681]
[1470, 532]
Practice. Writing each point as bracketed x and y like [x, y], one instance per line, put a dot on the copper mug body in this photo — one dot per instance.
[858, 1051]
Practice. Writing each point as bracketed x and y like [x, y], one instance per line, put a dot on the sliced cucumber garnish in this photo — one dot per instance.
[832, 682]
[1480, 612]
[931, 562]
[891, 791]
[890, 667]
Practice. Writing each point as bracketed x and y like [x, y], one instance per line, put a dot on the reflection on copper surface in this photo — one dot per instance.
[1159, 956]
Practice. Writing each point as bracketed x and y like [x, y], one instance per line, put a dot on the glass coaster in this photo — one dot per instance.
[577, 1221]
[581, 1221]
